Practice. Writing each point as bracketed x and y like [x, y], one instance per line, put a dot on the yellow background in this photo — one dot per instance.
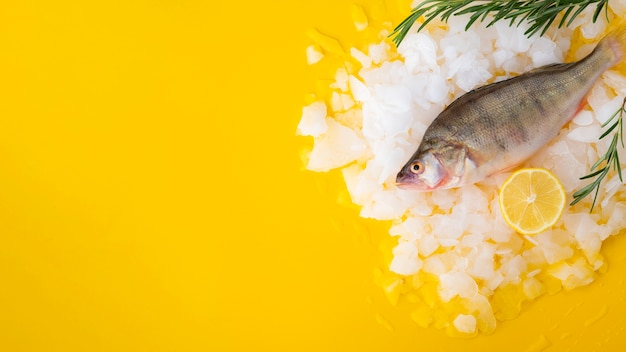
[152, 196]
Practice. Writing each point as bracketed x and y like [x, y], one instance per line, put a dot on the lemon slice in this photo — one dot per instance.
[532, 200]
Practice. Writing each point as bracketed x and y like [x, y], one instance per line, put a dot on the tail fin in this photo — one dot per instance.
[615, 42]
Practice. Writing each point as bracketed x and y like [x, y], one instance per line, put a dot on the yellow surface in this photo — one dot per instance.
[531, 200]
[152, 197]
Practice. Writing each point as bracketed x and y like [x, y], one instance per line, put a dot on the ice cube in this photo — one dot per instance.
[427, 245]
[592, 29]
[513, 268]
[583, 118]
[393, 98]
[465, 323]
[405, 260]
[434, 265]
[471, 72]
[341, 80]
[361, 57]
[587, 134]
[618, 7]
[359, 90]
[394, 159]
[379, 52]
[608, 109]
[420, 53]
[533, 288]
[482, 264]
[338, 147]
[313, 121]
[358, 17]
[544, 51]
[556, 245]
[313, 54]
[438, 89]
[501, 56]
[598, 98]
[586, 231]
[512, 37]
[385, 205]
[456, 284]
[444, 199]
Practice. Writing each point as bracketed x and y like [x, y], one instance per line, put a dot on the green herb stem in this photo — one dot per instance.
[610, 159]
[540, 14]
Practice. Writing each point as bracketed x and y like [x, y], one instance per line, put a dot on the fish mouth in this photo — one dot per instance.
[410, 183]
[406, 185]
[412, 186]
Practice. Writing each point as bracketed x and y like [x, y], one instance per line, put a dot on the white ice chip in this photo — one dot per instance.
[337, 147]
[313, 121]
[313, 54]
[465, 323]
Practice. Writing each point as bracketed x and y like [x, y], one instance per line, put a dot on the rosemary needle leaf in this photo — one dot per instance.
[609, 130]
[580, 9]
[540, 14]
[567, 12]
[611, 118]
[584, 191]
[599, 162]
[599, 9]
[593, 174]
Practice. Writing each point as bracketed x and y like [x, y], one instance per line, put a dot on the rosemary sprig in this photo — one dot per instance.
[610, 158]
[539, 13]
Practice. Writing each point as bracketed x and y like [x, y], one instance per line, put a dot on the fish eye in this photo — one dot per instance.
[417, 168]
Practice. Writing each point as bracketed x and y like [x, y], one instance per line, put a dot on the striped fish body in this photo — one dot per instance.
[498, 126]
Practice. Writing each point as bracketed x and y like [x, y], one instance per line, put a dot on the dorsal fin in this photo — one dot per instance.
[551, 67]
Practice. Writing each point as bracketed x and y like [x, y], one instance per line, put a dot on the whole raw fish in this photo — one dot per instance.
[496, 127]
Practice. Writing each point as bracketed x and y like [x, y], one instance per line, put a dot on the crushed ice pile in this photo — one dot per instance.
[455, 242]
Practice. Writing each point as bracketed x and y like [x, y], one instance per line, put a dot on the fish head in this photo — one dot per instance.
[433, 169]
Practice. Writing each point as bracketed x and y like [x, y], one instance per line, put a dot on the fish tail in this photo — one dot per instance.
[614, 43]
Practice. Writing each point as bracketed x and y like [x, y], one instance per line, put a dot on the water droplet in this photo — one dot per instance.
[540, 344]
[383, 321]
[571, 310]
[601, 314]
